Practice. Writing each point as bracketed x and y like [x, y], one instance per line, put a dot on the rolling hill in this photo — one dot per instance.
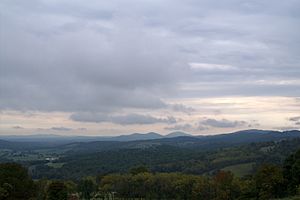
[178, 152]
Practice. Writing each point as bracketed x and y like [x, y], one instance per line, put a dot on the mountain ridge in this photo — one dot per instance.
[138, 140]
[241, 135]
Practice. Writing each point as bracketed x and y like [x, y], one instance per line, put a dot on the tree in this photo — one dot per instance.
[139, 169]
[183, 186]
[87, 187]
[41, 188]
[291, 172]
[269, 182]
[15, 183]
[57, 190]
[5, 190]
[202, 189]
[225, 186]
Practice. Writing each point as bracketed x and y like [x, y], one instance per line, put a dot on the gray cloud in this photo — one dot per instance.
[209, 123]
[223, 123]
[182, 108]
[89, 117]
[253, 124]
[98, 72]
[287, 128]
[187, 127]
[100, 56]
[82, 129]
[141, 119]
[18, 127]
[61, 129]
[127, 119]
[294, 119]
[180, 127]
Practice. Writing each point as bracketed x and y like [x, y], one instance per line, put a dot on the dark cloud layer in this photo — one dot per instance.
[186, 127]
[182, 108]
[127, 119]
[18, 127]
[223, 123]
[210, 123]
[61, 129]
[294, 119]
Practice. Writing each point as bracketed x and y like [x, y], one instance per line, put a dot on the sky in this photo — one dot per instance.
[123, 66]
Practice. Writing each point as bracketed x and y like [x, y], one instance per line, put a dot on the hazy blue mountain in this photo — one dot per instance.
[137, 136]
[50, 138]
[24, 145]
[177, 134]
[138, 140]
[70, 139]
[202, 143]
[253, 135]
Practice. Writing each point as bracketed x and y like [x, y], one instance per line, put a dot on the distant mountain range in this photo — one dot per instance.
[148, 136]
[81, 156]
[63, 139]
[138, 140]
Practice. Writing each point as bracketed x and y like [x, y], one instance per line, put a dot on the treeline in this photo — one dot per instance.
[268, 182]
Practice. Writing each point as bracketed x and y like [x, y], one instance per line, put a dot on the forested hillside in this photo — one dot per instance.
[243, 165]
[267, 182]
[167, 158]
[239, 152]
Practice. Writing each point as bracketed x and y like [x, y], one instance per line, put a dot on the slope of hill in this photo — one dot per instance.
[167, 158]
[24, 145]
[253, 135]
[188, 154]
[137, 136]
[202, 143]
[137, 140]
[177, 134]
[59, 139]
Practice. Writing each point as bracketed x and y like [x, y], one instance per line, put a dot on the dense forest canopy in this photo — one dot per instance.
[268, 182]
[222, 167]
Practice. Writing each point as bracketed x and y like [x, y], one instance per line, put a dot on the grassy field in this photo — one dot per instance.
[55, 165]
[240, 170]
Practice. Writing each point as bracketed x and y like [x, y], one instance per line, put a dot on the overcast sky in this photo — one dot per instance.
[121, 66]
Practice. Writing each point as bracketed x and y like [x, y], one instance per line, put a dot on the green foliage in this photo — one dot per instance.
[139, 169]
[226, 187]
[138, 186]
[292, 172]
[185, 155]
[15, 183]
[5, 190]
[57, 190]
[170, 159]
[269, 182]
[41, 188]
[240, 170]
[87, 187]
